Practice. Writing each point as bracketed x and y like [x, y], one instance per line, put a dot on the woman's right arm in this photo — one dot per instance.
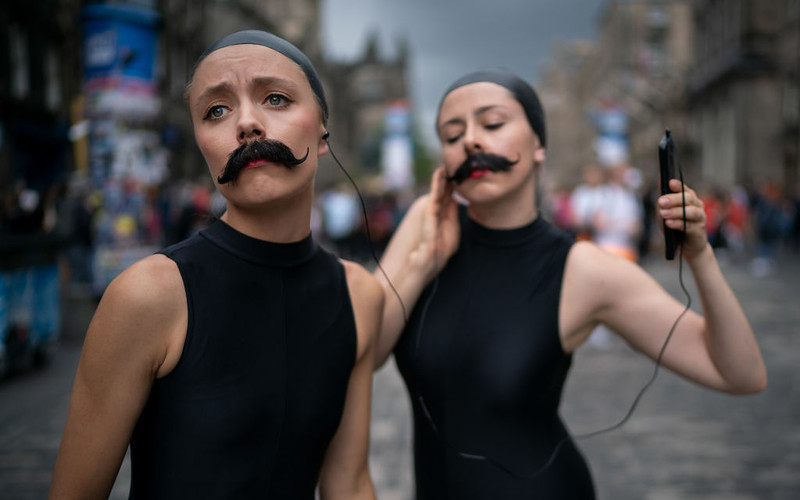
[420, 247]
[133, 338]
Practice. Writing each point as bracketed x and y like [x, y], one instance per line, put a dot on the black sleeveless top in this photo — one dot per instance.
[258, 393]
[485, 370]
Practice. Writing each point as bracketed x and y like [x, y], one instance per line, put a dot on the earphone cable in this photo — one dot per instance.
[366, 226]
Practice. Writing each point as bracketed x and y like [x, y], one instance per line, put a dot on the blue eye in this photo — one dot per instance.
[215, 112]
[277, 100]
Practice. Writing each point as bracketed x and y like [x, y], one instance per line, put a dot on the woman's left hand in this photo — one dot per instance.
[670, 208]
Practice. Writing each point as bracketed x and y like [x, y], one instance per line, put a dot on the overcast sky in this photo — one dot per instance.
[449, 38]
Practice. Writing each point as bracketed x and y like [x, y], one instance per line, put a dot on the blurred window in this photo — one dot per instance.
[52, 79]
[20, 69]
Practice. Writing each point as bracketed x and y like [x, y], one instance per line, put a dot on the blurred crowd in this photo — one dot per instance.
[611, 206]
[79, 219]
[614, 208]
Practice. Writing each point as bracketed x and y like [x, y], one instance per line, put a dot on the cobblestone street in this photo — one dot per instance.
[683, 442]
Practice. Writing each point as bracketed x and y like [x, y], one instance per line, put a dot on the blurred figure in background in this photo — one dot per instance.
[771, 224]
[82, 207]
[617, 223]
[587, 201]
[340, 219]
[736, 222]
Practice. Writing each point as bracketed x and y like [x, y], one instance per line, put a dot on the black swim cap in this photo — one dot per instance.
[522, 91]
[278, 44]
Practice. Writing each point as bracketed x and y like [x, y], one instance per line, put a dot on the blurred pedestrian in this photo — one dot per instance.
[617, 222]
[499, 300]
[238, 362]
[771, 225]
[715, 217]
[340, 218]
[735, 220]
[82, 208]
[587, 199]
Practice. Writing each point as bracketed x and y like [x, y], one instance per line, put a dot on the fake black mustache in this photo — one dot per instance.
[481, 161]
[263, 149]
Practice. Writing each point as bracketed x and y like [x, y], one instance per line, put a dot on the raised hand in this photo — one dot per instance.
[670, 208]
[440, 230]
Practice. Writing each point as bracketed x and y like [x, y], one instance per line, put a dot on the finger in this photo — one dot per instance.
[678, 199]
[674, 218]
[693, 211]
[437, 184]
[675, 185]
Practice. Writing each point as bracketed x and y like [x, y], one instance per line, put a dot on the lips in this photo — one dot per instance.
[256, 163]
[478, 172]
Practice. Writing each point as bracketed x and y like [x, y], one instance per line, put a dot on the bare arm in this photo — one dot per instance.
[131, 340]
[345, 471]
[420, 247]
[716, 349]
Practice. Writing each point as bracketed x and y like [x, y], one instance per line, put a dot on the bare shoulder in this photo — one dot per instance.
[595, 283]
[367, 297]
[153, 284]
[144, 311]
[599, 279]
[364, 287]
[589, 265]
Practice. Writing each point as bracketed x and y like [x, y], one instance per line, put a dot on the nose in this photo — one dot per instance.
[249, 126]
[472, 140]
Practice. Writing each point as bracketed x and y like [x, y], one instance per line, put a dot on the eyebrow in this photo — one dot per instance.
[478, 112]
[260, 81]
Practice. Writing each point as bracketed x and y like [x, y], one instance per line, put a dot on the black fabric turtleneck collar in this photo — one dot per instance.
[261, 252]
[499, 237]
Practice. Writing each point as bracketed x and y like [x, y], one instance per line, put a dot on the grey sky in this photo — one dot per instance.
[448, 38]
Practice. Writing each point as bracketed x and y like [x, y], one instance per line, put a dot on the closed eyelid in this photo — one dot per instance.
[450, 133]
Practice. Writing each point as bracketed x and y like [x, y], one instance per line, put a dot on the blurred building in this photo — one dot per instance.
[789, 64]
[611, 100]
[724, 75]
[39, 51]
[360, 93]
[567, 91]
[742, 95]
[644, 58]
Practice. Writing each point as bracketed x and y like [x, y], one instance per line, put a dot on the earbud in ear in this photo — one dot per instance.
[325, 137]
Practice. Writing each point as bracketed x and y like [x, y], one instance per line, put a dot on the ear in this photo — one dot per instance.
[539, 155]
[322, 147]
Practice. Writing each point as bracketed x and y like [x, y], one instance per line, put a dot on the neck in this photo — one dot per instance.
[508, 212]
[497, 217]
[278, 224]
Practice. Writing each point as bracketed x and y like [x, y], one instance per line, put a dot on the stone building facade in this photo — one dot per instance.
[724, 75]
[39, 54]
[737, 91]
[638, 66]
